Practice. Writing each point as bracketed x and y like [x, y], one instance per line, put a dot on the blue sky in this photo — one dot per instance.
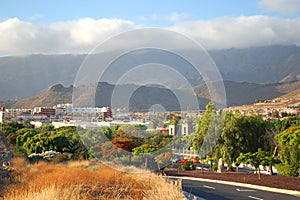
[147, 12]
[58, 26]
[135, 10]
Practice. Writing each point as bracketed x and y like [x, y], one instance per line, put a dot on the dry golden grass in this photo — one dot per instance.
[80, 180]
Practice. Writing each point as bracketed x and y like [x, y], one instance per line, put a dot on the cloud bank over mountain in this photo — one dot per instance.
[83, 35]
[19, 37]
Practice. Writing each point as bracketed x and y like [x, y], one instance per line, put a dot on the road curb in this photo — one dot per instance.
[259, 187]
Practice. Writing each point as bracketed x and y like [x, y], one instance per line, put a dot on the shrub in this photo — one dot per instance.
[35, 158]
[214, 167]
[61, 158]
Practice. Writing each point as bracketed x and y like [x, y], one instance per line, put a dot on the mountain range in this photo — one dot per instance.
[248, 74]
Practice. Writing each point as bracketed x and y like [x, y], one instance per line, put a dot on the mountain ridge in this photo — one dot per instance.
[27, 76]
[238, 93]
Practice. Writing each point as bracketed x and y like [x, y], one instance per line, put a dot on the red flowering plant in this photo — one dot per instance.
[105, 150]
[187, 164]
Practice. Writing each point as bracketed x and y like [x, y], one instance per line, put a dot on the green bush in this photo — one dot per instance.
[214, 167]
[288, 169]
[129, 160]
[32, 159]
[64, 157]
[19, 151]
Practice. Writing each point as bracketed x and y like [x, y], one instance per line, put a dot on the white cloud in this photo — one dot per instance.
[19, 37]
[284, 6]
[229, 32]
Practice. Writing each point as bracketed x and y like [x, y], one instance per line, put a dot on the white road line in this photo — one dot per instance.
[209, 187]
[244, 190]
[255, 198]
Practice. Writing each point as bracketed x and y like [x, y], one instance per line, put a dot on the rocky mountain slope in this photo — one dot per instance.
[27, 76]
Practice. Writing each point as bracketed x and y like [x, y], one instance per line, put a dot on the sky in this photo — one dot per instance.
[56, 26]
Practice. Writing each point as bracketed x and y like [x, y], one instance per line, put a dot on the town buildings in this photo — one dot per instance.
[66, 115]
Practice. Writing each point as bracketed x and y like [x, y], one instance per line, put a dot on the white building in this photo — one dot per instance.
[62, 124]
[60, 111]
[180, 129]
[2, 115]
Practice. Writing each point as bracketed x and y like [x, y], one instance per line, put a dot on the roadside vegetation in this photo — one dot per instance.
[77, 180]
[251, 140]
[241, 139]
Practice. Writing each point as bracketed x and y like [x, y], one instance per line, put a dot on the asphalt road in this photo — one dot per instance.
[216, 191]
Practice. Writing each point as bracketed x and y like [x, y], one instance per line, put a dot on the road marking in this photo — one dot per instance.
[256, 187]
[209, 187]
[244, 190]
[255, 198]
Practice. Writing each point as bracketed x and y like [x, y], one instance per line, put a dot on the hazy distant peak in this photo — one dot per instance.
[59, 88]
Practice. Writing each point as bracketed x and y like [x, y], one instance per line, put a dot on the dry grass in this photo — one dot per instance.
[80, 180]
[161, 189]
